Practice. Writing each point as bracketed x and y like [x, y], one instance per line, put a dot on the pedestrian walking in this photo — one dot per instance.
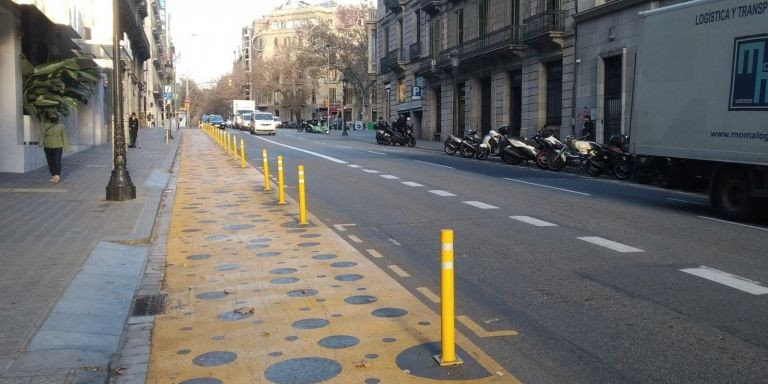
[133, 124]
[150, 120]
[53, 138]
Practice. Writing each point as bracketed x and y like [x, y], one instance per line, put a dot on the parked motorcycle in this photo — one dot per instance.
[469, 145]
[516, 150]
[547, 144]
[401, 133]
[610, 158]
[491, 144]
[574, 152]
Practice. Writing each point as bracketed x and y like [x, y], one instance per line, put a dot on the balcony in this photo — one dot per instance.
[396, 6]
[414, 52]
[142, 8]
[546, 27]
[503, 40]
[431, 66]
[431, 7]
[132, 14]
[393, 61]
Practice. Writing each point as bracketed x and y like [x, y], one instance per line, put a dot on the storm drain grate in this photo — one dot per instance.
[149, 305]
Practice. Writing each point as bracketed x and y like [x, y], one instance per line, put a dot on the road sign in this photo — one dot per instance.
[168, 92]
[415, 92]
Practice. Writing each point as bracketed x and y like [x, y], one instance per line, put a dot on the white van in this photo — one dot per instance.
[263, 122]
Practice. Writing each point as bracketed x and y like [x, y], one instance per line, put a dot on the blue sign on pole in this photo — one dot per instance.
[415, 92]
[168, 92]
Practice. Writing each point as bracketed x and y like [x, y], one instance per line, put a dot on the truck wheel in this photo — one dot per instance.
[731, 196]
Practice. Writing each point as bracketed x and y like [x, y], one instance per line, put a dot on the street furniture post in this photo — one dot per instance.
[447, 325]
[242, 153]
[302, 198]
[266, 169]
[280, 182]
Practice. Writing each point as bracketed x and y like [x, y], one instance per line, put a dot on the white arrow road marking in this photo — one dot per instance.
[618, 247]
[728, 279]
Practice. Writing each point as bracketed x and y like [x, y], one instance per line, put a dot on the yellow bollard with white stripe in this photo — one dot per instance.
[234, 147]
[447, 322]
[280, 182]
[229, 147]
[265, 160]
[302, 198]
[242, 153]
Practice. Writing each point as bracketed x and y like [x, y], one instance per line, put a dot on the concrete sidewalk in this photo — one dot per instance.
[71, 261]
[255, 297]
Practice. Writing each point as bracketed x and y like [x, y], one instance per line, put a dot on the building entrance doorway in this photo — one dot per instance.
[612, 98]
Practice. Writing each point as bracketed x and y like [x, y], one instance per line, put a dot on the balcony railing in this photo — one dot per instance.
[392, 60]
[491, 42]
[430, 6]
[544, 23]
[394, 5]
[414, 51]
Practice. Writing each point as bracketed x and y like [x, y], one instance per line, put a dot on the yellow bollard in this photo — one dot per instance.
[234, 147]
[266, 169]
[242, 153]
[229, 150]
[302, 198]
[280, 182]
[447, 325]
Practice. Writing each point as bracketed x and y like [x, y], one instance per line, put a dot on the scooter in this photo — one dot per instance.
[610, 158]
[469, 145]
[452, 144]
[491, 143]
[547, 145]
[517, 150]
[574, 152]
[388, 136]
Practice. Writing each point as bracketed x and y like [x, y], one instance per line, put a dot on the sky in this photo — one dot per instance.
[207, 33]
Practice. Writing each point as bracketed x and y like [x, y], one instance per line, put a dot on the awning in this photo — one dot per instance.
[43, 39]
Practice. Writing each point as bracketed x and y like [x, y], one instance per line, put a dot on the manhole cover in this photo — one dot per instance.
[149, 305]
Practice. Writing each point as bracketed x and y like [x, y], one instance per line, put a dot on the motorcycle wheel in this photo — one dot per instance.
[379, 140]
[450, 148]
[467, 152]
[541, 159]
[623, 169]
[411, 142]
[555, 162]
[509, 159]
[593, 169]
[483, 153]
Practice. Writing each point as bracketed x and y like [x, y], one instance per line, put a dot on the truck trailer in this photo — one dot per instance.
[700, 105]
[242, 112]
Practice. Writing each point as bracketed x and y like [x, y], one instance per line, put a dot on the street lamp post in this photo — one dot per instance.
[328, 84]
[343, 105]
[120, 186]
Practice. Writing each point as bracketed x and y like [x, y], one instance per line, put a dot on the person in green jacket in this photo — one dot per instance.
[53, 138]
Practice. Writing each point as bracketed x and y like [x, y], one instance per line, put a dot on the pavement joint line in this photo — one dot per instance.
[547, 186]
[618, 247]
[533, 221]
[480, 331]
[442, 193]
[737, 282]
[355, 239]
[480, 204]
[411, 184]
[398, 271]
[435, 164]
[374, 253]
[431, 296]
[734, 223]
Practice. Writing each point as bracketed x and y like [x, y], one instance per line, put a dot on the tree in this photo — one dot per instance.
[348, 44]
[58, 85]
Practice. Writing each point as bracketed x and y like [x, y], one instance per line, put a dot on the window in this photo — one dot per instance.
[482, 12]
[434, 38]
[554, 93]
[332, 91]
[277, 45]
[401, 90]
[460, 29]
[418, 27]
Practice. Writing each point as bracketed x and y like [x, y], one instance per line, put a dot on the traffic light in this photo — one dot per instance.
[229, 81]
[247, 91]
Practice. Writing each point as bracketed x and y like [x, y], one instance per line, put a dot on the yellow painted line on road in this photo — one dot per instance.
[375, 254]
[429, 294]
[480, 331]
[355, 239]
[398, 271]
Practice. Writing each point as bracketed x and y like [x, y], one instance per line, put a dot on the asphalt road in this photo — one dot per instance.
[605, 281]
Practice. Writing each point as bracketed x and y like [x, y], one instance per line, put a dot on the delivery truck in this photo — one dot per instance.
[242, 113]
[700, 108]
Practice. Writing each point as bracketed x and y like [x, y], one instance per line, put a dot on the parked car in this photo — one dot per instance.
[228, 123]
[217, 121]
[263, 122]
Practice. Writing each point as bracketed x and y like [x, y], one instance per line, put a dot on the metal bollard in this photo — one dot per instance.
[229, 150]
[266, 169]
[234, 147]
[447, 322]
[280, 182]
[242, 153]
[302, 198]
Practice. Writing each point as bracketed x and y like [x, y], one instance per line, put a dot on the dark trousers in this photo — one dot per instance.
[134, 134]
[53, 156]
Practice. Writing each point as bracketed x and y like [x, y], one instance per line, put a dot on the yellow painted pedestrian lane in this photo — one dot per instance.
[254, 297]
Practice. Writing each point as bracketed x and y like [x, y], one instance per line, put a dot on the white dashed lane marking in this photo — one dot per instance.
[533, 221]
[442, 193]
[480, 204]
[412, 184]
[398, 271]
[390, 177]
[437, 165]
[727, 279]
[429, 294]
[618, 247]
[547, 186]
[354, 166]
[375, 254]
[355, 239]
[370, 171]
[377, 153]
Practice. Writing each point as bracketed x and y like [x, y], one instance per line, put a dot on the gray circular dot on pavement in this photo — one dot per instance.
[199, 256]
[371, 380]
[257, 322]
[302, 293]
[304, 309]
[261, 240]
[283, 271]
[336, 315]
[185, 329]
[310, 236]
[338, 341]
[320, 300]
[217, 238]
[183, 351]
[296, 230]
[208, 221]
[259, 221]
[424, 323]
[389, 312]
[362, 289]
[389, 339]
[284, 280]
[233, 316]
[349, 277]
[304, 370]
[308, 244]
[202, 380]
[343, 264]
[275, 354]
[217, 338]
[212, 359]
[268, 254]
[320, 276]
[335, 286]
[361, 299]
[371, 356]
[295, 224]
[191, 230]
[220, 191]
[291, 338]
[258, 246]
[310, 323]
[227, 267]
[237, 227]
